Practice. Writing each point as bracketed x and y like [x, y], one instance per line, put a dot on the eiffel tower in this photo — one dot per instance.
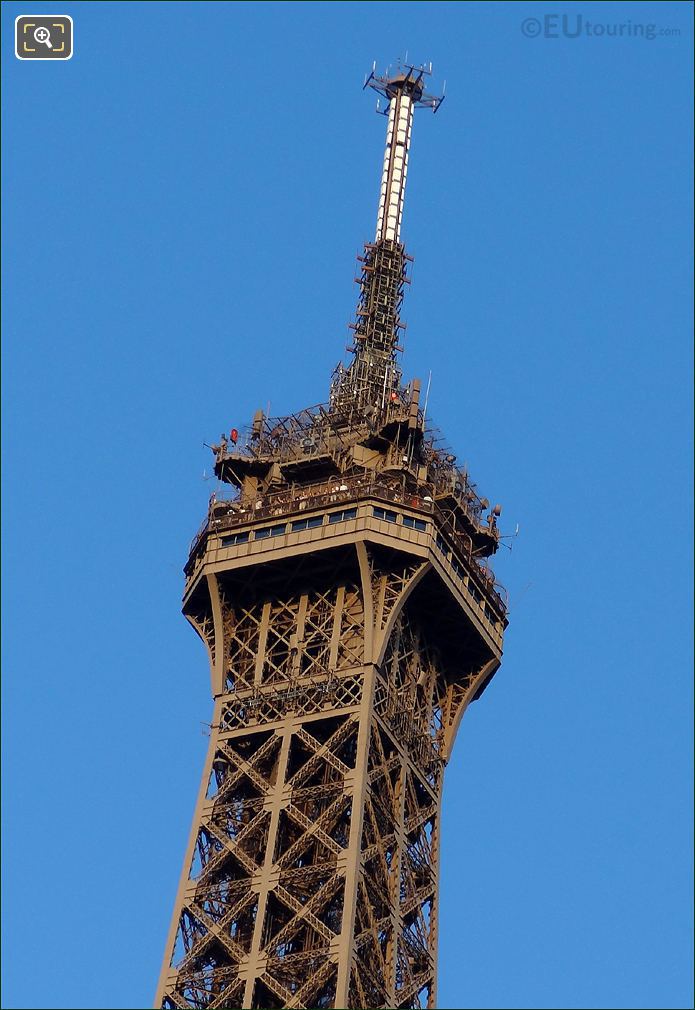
[341, 588]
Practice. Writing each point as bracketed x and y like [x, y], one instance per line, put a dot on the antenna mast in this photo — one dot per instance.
[374, 375]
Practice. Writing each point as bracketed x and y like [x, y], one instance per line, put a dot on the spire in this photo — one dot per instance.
[404, 92]
[374, 376]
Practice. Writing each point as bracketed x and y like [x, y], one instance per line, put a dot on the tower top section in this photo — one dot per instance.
[373, 429]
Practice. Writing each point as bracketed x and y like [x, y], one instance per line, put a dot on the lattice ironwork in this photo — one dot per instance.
[312, 873]
[374, 374]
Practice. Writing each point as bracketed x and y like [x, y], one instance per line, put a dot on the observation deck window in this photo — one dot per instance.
[236, 538]
[310, 523]
[415, 524]
[386, 514]
[269, 531]
[339, 517]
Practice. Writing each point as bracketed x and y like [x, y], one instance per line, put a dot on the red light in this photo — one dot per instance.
[394, 396]
[234, 435]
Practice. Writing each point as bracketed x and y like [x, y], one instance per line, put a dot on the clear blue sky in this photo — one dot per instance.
[183, 202]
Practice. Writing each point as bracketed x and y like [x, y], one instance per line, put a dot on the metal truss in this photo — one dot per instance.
[311, 874]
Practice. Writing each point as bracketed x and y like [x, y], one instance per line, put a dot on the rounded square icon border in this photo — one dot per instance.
[45, 59]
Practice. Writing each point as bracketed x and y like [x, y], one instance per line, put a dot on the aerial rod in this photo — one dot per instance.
[404, 91]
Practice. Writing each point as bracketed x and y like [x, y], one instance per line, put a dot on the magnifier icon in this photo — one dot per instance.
[42, 34]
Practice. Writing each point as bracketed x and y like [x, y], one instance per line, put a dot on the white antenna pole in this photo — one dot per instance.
[427, 396]
[392, 194]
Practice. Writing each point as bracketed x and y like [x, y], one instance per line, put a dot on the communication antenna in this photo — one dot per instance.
[427, 396]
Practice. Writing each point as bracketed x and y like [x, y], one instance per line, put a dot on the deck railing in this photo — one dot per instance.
[227, 512]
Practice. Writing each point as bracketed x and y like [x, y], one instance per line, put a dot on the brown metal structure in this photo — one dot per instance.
[343, 594]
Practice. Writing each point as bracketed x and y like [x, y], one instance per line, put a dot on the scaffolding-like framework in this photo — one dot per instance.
[374, 374]
[341, 585]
